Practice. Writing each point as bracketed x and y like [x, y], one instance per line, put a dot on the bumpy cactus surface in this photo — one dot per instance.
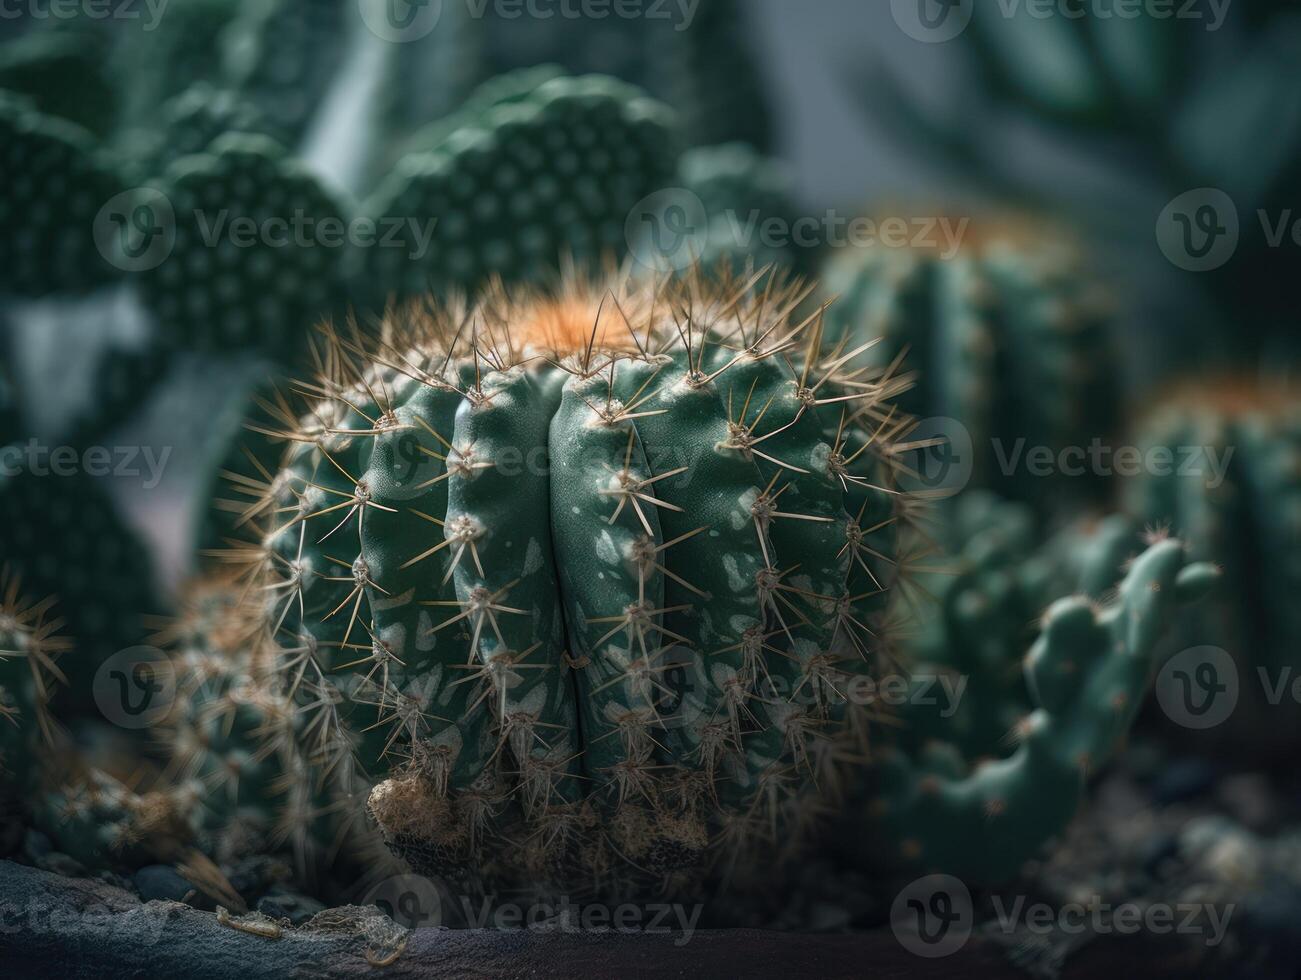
[583, 589]
[1231, 482]
[741, 190]
[1006, 336]
[53, 182]
[526, 182]
[241, 275]
[590, 577]
[954, 805]
[64, 536]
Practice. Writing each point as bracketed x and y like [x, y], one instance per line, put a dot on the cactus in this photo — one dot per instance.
[281, 55]
[584, 594]
[1007, 340]
[713, 79]
[261, 297]
[1233, 485]
[55, 182]
[62, 72]
[524, 649]
[30, 648]
[525, 184]
[63, 535]
[944, 807]
[740, 191]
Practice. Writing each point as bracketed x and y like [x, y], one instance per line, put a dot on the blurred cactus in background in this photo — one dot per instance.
[1009, 337]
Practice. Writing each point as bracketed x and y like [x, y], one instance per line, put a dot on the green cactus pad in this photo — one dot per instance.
[260, 252]
[54, 182]
[525, 186]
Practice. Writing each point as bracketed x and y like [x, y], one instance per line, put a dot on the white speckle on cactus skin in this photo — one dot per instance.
[532, 557]
[606, 550]
[735, 580]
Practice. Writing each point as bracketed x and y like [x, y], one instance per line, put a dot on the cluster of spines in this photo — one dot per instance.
[30, 648]
[614, 660]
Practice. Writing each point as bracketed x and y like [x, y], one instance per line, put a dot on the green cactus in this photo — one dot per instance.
[740, 191]
[63, 535]
[713, 79]
[62, 72]
[190, 122]
[527, 183]
[153, 60]
[1231, 481]
[523, 647]
[947, 808]
[30, 648]
[282, 55]
[1007, 339]
[233, 281]
[55, 182]
[584, 594]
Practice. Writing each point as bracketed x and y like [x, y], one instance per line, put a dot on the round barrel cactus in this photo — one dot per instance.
[586, 589]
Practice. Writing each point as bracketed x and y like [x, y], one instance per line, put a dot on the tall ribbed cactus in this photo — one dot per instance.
[1006, 336]
[1232, 484]
[591, 575]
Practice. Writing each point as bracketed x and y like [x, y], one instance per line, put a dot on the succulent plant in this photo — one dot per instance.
[258, 287]
[524, 647]
[63, 535]
[30, 648]
[741, 191]
[1232, 483]
[525, 183]
[282, 55]
[62, 72]
[56, 181]
[585, 595]
[1006, 337]
[713, 78]
[950, 805]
